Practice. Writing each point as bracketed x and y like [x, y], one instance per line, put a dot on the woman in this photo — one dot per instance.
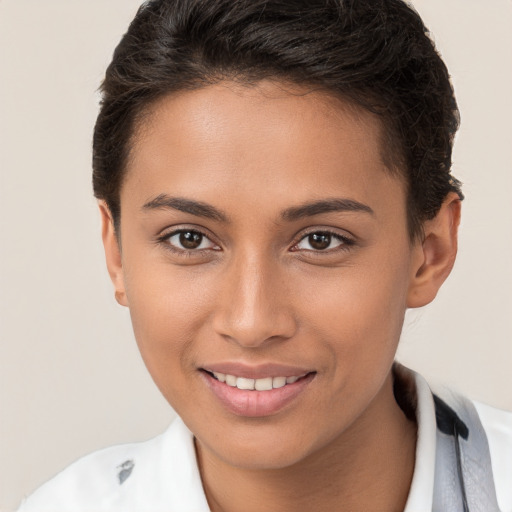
[274, 185]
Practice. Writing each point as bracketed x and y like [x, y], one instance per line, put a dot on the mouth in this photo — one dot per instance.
[256, 397]
[263, 384]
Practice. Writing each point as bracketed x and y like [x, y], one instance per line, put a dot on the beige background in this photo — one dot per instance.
[71, 378]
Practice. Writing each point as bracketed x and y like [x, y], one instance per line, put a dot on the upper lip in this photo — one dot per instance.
[259, 371]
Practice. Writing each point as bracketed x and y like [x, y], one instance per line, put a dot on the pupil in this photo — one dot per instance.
[320, 240]
[190, 239]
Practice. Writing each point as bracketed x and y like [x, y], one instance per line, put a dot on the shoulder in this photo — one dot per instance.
[486, 448]
[498, 428]
[90, 481]
[492, 435]
[93, 482]
[136, 476]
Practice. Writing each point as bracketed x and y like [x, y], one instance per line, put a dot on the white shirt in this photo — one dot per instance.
[161, 475]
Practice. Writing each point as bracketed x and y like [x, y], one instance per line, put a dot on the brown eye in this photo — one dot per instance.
[190, 239]
[323, 241]
[319, 241]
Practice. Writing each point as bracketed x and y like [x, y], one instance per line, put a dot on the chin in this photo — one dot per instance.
[261, 449]
[262, 458]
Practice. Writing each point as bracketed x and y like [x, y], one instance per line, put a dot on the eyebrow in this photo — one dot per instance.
[198, 208]
[325, 206]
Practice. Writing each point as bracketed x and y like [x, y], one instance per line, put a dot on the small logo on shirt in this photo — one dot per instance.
[125, 470]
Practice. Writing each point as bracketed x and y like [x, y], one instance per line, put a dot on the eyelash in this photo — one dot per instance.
[345, 242]
[165, 241]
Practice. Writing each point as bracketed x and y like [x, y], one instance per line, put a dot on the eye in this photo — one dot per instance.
[322, 241]
[189, 240]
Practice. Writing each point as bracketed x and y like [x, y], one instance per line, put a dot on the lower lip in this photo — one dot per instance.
[256, 403]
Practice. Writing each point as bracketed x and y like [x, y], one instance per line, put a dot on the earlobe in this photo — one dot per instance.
[112, 253]
[435, 255]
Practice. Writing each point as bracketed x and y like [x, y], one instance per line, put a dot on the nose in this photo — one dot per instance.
[254, 306]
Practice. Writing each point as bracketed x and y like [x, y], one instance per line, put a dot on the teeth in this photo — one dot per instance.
[265, 384]
[220, 376]
[231, 381]
[242, 383]
[278, 382]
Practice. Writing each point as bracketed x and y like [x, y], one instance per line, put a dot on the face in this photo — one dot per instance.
[264, 243]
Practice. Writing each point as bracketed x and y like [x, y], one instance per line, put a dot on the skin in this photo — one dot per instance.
[257, 291]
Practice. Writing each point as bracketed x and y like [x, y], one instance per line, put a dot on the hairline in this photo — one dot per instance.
[392, 157]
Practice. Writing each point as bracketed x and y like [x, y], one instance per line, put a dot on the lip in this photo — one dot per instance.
[252, 403]
[261, 371]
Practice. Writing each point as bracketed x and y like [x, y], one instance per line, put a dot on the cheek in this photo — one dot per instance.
[357, 298]
[354, 322]
[169, 306]
[357, 315]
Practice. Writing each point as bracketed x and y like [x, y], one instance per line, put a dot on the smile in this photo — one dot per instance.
[256, 397]
[264, 384]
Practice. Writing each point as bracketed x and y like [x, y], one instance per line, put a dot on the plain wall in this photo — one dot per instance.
[70, 374]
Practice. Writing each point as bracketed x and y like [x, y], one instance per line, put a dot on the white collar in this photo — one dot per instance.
[422, 486]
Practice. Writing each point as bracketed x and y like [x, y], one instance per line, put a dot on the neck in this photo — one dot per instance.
[368, 468]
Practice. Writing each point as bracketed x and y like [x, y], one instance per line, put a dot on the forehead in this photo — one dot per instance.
[271, 138]
[265, 109]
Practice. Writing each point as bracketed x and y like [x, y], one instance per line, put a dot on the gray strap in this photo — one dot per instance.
[463, 474]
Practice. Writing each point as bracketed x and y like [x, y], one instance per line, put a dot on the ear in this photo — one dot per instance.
[435, 255]
[112, 253]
